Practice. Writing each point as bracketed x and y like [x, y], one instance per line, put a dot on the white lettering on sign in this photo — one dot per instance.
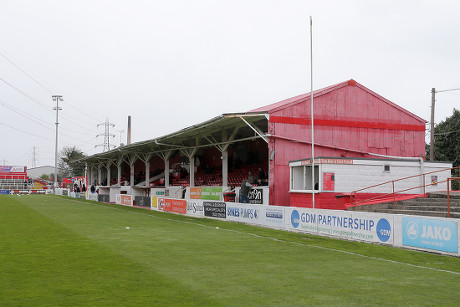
[437, 233]
[327, 161]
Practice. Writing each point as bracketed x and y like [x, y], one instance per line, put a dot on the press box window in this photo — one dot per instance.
[301, 178]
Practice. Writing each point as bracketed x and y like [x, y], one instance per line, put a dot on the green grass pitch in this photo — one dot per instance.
[57, 251]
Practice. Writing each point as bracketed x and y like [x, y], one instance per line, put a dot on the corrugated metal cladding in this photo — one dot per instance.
[350, 121]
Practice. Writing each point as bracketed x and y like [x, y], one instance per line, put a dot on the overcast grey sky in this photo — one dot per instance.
[171, 64]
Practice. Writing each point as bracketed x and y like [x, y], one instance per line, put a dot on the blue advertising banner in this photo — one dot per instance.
[429, 233]
[4, 191]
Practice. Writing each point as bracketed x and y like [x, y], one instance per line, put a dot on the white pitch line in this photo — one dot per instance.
[278, 240]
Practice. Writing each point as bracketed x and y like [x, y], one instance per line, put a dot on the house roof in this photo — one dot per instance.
[304, 97]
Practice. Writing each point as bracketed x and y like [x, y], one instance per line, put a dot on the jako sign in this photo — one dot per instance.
[430, 234]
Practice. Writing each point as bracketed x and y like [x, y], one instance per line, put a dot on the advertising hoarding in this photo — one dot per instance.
[215, 209]
[256, 196]
[430, 234]
[142, 201]
[211, 193]
[273, 216]
[126, 200]
[92, 196]
[175, 205]
[195, 207]
[349, 225]
[103, 198]
[161, 203]
[12, 169]
[154, 204]
[195, 193]
[244, 213]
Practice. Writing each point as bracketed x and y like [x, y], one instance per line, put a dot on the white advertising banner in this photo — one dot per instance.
[160, 203]
[195, 207]
[300, 219]
[92, 196]
[244, 213]
[158, 192]
[273, 216]
[63, 192]
[123, 199]
[338, 224]
[381, 227]
[344, 224]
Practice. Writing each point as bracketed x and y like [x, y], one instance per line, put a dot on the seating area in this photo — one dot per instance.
[201, 178]
[40, 184]
[114, 181]
[14, 180]
[16, 175]
[235, 178]
[7, 184]
[179, 182]
[208, 179]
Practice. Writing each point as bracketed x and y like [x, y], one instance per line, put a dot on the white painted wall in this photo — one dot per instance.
[368, 172]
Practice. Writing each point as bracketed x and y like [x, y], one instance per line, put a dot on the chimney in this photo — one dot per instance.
[129, 130]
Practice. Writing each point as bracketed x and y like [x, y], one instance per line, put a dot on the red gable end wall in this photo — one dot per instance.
[350, 121]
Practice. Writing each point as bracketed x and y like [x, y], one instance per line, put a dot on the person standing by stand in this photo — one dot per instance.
[244, 191]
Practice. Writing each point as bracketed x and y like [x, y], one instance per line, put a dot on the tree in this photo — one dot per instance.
[45, 177]
[447, 141]
[69, 164]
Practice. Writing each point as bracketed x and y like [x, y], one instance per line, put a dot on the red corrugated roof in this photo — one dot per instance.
[298, 99]
[301, 98]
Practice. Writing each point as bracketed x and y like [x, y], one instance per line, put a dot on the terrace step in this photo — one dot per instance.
[432, 201]
[435, 204]
[419, 212]
[428, 208]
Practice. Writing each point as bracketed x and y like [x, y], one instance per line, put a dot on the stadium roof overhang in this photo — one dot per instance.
[219, 132]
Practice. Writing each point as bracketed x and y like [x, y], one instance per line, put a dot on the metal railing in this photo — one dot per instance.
[394, 192]
[448, 193]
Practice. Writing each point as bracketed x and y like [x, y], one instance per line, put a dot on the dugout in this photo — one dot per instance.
[349, 119]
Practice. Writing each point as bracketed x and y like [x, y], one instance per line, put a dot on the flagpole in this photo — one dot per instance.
[312, 117]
